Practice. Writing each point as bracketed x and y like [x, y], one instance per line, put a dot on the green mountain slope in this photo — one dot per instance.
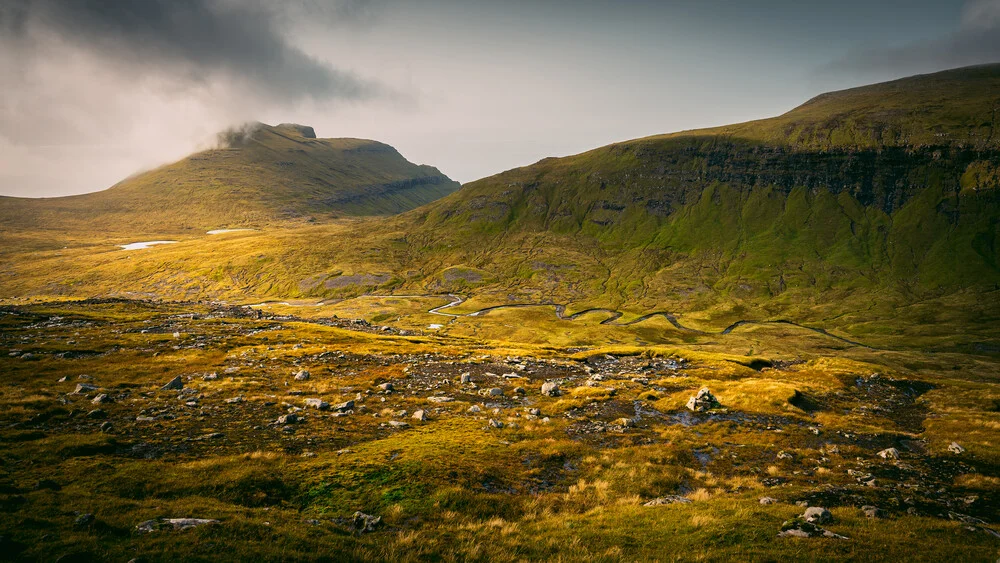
[263, 175]
[860, 208]
[888, 185]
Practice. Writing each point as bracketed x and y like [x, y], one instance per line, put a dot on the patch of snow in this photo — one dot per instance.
[147, 244]
[224, 231]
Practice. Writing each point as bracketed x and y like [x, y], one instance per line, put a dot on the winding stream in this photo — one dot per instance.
[612, 320]
[614, 315]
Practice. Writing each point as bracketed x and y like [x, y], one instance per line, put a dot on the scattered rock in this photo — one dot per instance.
[235, 400]
[798, 528]
[102, 398]
[302, 376]
[174, 384]
[768, 500]
[889, 453]
[290, 418]
[703, 401]
[398, 424]
[817, 515]
[495, 392]
[955, 448]
[83, 521]
[83, 388]
[783, 454]
[345, 406]
[669, 499]
[97, 414]
[420, 415]
[210, 376]
[624, 422]
[550, 389]
[387, 387]
[520, 391]
[168, 524]
[365, 522]
[440, 399]
[873, 511]
[494, 423]
[317, 404]
[107, 427]
[474, 409]
[465, 378]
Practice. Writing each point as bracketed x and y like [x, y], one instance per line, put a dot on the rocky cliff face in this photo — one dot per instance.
[808, 199]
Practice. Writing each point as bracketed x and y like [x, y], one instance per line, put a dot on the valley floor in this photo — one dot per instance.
[276, 432]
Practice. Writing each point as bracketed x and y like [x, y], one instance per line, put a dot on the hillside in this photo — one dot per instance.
[262, 175]
[891, 186]
[761, 220]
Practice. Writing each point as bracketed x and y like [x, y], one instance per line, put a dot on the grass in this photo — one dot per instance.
[869, 214]
[451, 487]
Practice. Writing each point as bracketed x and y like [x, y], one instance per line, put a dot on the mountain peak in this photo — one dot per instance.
[303, 130]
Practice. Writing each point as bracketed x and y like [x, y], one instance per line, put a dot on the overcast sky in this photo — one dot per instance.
[95, 90]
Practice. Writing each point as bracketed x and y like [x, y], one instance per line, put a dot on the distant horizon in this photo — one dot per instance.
[472, 88]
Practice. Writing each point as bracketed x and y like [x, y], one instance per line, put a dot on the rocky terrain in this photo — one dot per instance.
[129, 425]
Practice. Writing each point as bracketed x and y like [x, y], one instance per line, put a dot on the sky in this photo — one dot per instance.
[93, 91]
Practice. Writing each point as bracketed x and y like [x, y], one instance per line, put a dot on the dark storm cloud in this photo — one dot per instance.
[977, 41]
[195, 40]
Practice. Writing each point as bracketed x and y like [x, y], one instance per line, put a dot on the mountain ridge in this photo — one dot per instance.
[258, 175]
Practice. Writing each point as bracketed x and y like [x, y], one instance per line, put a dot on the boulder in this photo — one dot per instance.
[290, 418]
[798, 528]
[889, 453]
[365, 522]
[345, 406]
[817, 515]
[319, 404]
[495, 392]
[669, 499]
[954, 448]
[302, 376]
[873, 511]
[167, 524]
[768, 500]
[102, 398]
[387, 387]
[550, 389]
[84, 388]
[419, 415]
[465, 378]
[174, 384]
[494, 423]
[703, 401]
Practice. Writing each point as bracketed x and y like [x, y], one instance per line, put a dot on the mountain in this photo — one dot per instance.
[260, 175]
[893, 186]
[869, 209]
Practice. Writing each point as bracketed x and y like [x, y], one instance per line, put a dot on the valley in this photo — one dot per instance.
[775, 340]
